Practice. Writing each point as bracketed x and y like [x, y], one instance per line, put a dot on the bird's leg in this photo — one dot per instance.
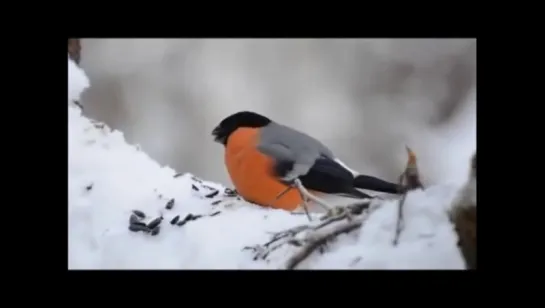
[304, 192]
[333, 211]
[305, 206]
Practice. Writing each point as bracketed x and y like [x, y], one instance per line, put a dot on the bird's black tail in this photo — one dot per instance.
[327, 176]
[354, 193]
[372, 183]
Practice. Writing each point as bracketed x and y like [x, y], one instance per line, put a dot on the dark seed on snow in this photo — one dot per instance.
[175, 220]
[154, 223]
[139, 214]
[216, 202]
[230, 192]
[133, 219]
[181, 223]
[170, 204]
[212, 194]
[138, 227]
[178, 175]
[194, 187]
[79, 105]
[155, 230]
[214, 214]
[89, 187]
[139, 223]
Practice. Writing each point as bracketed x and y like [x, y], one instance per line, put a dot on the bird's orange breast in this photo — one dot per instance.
[250, 172]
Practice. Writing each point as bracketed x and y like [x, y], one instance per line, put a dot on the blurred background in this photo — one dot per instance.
[364, 98]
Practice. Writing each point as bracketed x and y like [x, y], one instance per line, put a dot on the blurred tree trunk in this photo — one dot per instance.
[74, 52]
[464, 217]
[74, 49]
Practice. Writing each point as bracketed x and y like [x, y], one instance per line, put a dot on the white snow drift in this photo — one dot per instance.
[109, 178]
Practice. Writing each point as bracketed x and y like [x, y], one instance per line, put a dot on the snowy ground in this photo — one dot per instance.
[109, 178]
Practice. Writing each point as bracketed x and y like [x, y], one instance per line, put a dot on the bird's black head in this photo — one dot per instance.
[240, 119]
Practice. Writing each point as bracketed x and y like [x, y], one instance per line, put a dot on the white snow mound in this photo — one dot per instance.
[109, 178]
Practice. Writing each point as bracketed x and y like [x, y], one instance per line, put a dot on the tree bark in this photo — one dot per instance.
[74, 49]
[464, 218]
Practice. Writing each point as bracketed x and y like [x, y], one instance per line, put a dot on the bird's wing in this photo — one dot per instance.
[300, 156]
[277, 151]
[294, 151]
[303, 148]
[285, 161]
[328, 176]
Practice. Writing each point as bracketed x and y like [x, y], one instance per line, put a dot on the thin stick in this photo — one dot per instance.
[400, 222]
[288, 236]
[410, 177]
[324, 236]
[320, 240]
[280, 195]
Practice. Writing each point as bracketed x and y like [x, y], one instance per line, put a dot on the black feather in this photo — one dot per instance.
[328, 176]
[235, 121]
[376, 184]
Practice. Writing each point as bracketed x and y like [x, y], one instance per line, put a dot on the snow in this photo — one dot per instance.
[109, 178]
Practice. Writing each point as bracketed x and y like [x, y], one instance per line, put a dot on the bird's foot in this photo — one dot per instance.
[305, 207]
[337, 211]
[306, 195]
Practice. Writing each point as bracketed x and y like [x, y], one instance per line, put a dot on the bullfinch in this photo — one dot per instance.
[265, 160]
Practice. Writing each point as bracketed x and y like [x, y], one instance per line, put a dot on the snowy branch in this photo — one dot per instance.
[342, 220]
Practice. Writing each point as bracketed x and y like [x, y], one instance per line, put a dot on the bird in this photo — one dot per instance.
[267, 160]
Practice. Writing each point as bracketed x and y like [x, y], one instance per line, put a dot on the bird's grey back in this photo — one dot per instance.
[287, 144]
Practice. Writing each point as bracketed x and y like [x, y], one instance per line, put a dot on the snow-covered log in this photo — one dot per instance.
[203, 226]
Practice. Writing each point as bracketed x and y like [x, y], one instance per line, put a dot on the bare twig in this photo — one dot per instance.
[400, 221]
[313, 236]
[409, 180]
[321, 236]
[288, 233]
[318, 241]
